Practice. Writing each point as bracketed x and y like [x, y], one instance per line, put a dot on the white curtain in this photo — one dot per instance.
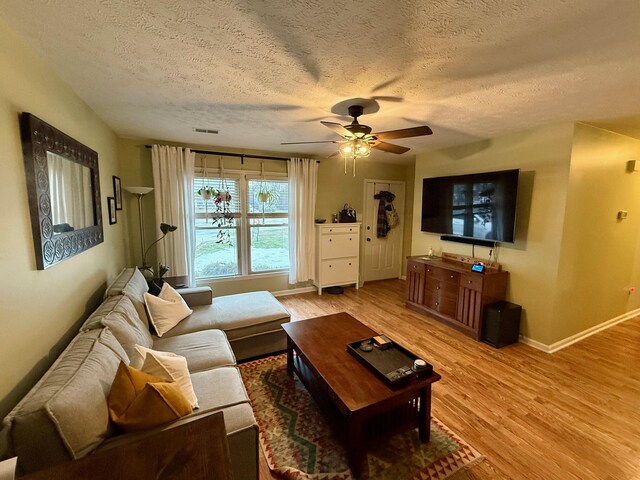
[303, 179]
[173, 172]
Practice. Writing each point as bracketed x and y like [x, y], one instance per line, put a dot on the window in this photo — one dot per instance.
[251, 236]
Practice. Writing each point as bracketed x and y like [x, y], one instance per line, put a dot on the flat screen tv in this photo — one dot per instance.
[478, 206]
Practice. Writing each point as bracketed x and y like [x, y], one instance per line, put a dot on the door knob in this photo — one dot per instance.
[368, 239]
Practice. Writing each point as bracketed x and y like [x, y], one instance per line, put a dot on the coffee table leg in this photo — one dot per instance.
[355, 448]
[424, 414]
[289, 357]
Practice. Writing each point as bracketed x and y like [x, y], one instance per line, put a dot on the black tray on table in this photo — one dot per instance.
[387, 363]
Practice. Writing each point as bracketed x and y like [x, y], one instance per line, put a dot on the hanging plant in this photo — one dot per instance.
[207, 192]
[223, 217]
[264, 197]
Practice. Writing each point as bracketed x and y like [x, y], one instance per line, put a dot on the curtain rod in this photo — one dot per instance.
[242, 156]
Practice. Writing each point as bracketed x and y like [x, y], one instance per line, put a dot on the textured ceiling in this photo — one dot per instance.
[262, 72]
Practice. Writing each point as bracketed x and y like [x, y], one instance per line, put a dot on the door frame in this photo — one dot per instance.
[364, 221]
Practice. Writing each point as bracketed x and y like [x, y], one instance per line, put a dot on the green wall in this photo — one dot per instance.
[599, 253]
[334, 190]
[41, 310]
[543, 155]
[572, 261]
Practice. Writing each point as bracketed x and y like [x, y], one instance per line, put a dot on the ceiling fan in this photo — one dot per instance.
[358, 139]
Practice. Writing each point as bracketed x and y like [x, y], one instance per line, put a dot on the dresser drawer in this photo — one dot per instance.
[339, 245]
[339, 270]
[442, 274]
[472, 282]
[339, 229]
[416, 267]
[441, 304]
[441, 289]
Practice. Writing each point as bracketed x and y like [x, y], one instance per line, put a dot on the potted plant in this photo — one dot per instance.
[147, 270]
[222, 217]
[207, 192]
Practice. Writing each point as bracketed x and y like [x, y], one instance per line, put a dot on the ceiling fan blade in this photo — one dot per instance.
[339, 129]
[390, 147]
[301, 143]
[404, 133]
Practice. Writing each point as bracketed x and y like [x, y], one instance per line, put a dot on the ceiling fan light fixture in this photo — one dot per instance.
[352, 149]
[355, 148]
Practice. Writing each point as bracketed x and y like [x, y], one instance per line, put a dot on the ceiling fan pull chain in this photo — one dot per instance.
[354, 165]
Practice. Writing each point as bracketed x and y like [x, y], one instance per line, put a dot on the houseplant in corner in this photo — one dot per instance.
[146, 269]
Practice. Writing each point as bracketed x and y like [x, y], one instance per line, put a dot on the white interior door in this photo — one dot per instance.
[382, 256]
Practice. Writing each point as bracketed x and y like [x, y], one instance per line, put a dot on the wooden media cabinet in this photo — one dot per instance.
[446, 289]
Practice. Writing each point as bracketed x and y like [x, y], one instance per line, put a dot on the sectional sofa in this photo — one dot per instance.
[65, 415]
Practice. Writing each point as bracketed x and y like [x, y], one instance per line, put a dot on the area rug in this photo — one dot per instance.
[299, 444]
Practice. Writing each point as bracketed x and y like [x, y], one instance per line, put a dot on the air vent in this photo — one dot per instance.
[205, 130]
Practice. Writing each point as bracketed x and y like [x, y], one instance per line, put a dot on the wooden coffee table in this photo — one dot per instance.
[362, 407]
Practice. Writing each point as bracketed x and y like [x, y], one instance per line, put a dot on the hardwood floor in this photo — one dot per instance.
[574, 414]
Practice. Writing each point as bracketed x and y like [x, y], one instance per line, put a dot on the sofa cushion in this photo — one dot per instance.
[218, 388]
[65, 414]
[139, 401]
[203, 350]
[119, 314]
[131, 283]
[241, 315]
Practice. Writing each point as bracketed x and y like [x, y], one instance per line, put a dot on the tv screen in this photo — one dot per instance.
[479, 206]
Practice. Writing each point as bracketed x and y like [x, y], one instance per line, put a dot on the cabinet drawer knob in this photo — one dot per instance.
[349, 263]
[349, 238]
[438, 287]
[329, 266]
[330, 240]
[451, 276]
[437, 303]
[470, 281]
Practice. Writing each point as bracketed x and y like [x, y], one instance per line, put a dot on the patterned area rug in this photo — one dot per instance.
[299, 444]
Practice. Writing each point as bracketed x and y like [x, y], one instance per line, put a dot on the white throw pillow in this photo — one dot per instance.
[166, 366]
[167, 309]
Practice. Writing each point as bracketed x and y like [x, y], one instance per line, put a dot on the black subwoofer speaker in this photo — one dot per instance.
[501, 324]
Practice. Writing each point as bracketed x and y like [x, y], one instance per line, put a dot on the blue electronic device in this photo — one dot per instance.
[477, 267]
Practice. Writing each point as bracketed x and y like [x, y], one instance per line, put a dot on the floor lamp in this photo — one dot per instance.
[140, 192]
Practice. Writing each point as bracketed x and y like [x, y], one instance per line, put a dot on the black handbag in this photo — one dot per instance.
[347, 214]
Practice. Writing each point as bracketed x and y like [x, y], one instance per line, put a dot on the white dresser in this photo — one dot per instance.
[337, 255]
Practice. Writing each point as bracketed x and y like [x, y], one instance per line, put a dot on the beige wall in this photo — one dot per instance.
[41, 310]
[334, 190]
[543, 156]
[599, 255]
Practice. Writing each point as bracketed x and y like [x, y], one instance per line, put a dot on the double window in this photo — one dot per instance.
[244, 233]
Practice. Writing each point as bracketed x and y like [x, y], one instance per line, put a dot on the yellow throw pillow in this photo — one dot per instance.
[139, 401]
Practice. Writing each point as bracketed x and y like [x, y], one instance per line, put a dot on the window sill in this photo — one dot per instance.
[239, 278]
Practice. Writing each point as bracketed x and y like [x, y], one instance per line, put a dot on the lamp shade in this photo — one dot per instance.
[138, 190]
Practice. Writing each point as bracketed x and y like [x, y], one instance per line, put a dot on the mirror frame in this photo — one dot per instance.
[38, 138]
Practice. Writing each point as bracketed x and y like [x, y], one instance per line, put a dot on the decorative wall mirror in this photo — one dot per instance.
[63, 184]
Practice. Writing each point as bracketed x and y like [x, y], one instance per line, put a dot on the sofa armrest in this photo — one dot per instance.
[196, 296]
[202, 439]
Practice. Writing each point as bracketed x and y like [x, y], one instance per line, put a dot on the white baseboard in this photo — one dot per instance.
[535, 344]
[554, 347]
[294, 291]
[403, 277]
